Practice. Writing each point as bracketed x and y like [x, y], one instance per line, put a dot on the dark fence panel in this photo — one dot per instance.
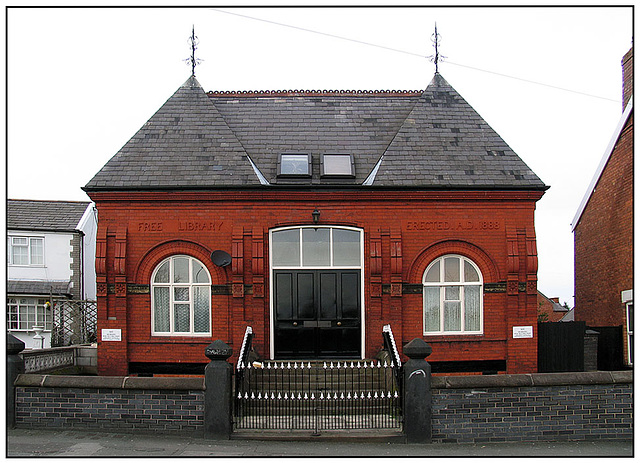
[610, 351]
[561, 346]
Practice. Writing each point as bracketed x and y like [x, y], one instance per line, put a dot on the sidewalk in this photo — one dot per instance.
[53, 443]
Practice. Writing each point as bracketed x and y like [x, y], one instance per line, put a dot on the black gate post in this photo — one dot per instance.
[417, 392]
[218, 391]
[15, 366]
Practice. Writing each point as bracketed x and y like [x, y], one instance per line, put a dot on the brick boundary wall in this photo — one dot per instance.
[535, 407]
[166, 405]
[499, 408]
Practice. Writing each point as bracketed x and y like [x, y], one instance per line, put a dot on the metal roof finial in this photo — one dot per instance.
[435, 38]
[192, 60]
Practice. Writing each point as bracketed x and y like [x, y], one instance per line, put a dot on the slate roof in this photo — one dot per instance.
[417, 140]
[23, 214]
[58, 288]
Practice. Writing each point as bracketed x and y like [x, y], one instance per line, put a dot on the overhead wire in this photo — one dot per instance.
[397, 50]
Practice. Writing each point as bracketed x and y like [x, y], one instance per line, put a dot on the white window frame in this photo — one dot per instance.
[442, 284]
[17, 313]
[11, 243]
[171, 285]
[628, 308]
[301, 265]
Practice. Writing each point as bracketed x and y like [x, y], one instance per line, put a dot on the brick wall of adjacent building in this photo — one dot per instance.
[403, 233]
[604, 240]
[627, 77]
[603, 235]
[501, 408]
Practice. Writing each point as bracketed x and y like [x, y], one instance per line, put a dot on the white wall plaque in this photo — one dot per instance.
[522, 332]
[112, 335]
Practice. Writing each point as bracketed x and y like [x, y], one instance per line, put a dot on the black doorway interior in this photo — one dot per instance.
[317, 314]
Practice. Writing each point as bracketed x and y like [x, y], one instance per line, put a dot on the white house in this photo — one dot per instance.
[50, 256]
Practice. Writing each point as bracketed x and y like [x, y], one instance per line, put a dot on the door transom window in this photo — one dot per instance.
[317, 247]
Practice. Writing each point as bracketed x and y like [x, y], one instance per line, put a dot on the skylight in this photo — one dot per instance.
[294, 165]
[339, 165]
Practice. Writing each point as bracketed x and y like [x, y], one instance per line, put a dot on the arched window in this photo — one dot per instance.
[181, 297]
[452, 296]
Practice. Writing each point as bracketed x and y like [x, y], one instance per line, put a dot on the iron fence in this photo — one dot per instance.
[74, 322]
[317, 395]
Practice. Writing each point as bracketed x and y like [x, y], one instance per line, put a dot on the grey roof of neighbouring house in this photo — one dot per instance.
[26, 214]
[431, 139]
[56, 288]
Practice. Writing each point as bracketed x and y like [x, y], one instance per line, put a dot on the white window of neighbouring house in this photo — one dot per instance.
[627, 300]
[452, 296]
[181, 298]
[26, 312]
[27, 251]
[630, 332]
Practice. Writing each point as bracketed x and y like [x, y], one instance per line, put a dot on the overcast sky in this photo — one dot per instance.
[82, 81]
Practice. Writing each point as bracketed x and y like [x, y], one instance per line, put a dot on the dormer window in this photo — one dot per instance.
[337, 165]
[294, 165]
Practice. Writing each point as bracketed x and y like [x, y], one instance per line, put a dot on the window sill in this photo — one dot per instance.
[440, 337]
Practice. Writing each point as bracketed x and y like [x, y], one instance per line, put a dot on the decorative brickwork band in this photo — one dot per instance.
[532, 262]
[396, 263]
[375, 252]
[237, 262]
[257, 261]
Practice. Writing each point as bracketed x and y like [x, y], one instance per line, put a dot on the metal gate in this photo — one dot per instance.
[317, 395]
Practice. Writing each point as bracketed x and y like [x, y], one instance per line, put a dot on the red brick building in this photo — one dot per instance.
[603, 232]
[550, 310]
[316, 218]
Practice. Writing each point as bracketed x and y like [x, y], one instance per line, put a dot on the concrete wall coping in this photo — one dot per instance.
[533, 379]
[110, 382]
[437, 382]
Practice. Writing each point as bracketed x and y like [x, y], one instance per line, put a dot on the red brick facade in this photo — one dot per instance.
[403, 233]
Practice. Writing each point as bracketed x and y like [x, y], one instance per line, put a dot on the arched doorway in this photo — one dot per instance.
[316, 292]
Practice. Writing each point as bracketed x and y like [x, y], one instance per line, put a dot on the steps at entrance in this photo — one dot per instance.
[318, 376]
[332, 394]
[343, 380]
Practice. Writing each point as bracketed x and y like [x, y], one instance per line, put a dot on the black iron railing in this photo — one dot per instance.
[312, 395]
